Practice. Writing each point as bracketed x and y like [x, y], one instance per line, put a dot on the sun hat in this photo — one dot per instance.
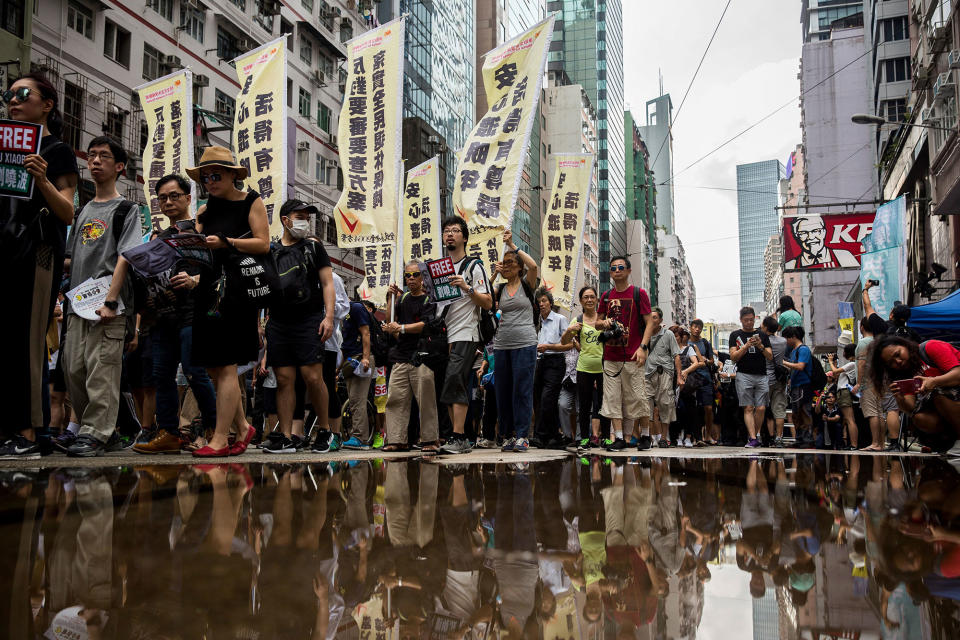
[217, 156]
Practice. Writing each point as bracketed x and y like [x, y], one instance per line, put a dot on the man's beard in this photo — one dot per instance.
[451, 247]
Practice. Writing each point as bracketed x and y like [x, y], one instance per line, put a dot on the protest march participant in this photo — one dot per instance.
[548, 378]
[847, 387]
[750, 350]
[462, 318]
[799, 359]
[627, 323]
[589, 368]
[515, 346]
[169, 303]
[104, 228]
[777, 378]
[32, 251]
[301, 320]
[328, 435]
[358, 365]
[787, 314]
[409, 378]
[705, 393]
[225, 332]
[662, 369]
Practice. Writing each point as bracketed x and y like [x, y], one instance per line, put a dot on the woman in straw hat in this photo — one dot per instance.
[225, 329]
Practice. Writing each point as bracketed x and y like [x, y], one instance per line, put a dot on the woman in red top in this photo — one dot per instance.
[935, 366]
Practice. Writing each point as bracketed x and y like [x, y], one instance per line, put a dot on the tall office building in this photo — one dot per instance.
[887, 28]
[588, 46]
[758, 186]
[438, 79]
[641, 206]
[660, 143]
[820, 17]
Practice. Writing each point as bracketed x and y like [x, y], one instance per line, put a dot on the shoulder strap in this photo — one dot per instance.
[923, 354]
[120, 218]
[500, 288]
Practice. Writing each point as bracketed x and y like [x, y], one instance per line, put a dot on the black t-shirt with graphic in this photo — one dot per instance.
[751, 362]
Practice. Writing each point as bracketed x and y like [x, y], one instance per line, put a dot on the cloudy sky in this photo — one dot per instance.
[751, 70]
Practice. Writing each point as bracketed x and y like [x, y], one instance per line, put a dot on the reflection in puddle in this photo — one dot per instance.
[795, 547]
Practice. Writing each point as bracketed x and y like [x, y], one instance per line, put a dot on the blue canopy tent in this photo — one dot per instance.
[940, 319]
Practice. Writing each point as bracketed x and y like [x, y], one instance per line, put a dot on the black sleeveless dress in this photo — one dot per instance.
[229, 335]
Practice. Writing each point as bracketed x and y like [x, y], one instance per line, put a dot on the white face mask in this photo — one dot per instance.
[299, 229]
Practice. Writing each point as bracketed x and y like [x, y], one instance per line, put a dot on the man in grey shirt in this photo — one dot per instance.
[663, 365]
[778, 390]
[104, 228]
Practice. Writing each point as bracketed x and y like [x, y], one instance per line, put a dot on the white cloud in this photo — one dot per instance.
[751, 70]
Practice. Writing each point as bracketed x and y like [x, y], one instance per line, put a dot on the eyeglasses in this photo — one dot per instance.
[618, 267]
[103, 155]
[173, 197]
[211, 177]
[411, 274]
[22, 94]
[452, 230]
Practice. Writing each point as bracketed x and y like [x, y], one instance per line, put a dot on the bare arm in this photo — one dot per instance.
[259, 243]
[868, 309]
[365, 341]
[329, 303]
[58, 193]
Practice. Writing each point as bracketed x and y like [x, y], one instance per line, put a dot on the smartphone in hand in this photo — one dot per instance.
[910, 386]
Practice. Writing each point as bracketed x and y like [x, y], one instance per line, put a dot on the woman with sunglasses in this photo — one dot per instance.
[225, 328]
[33, 235]
[515, 345]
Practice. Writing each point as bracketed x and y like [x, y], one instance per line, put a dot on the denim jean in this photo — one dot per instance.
[171, 346]
[513, 381]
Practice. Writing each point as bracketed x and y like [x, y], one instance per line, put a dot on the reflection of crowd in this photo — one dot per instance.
[574, 546]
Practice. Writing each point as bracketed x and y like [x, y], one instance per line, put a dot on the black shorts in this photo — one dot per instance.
[269, 401]
[294, 344]
[56, 376]
[140, 364]
[459, 370]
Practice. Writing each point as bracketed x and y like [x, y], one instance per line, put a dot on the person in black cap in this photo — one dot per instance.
[897, 322]
[301, 322]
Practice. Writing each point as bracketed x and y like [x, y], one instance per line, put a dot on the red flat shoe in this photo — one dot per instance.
[209, 452]
[240, 446]
[241, 470]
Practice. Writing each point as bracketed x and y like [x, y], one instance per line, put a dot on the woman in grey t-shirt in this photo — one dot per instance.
[515, 345]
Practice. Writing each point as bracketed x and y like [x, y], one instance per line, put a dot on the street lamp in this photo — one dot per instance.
[866, 118]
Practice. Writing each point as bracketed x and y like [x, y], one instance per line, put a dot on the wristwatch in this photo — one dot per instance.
[113, 305]
[470, 291]
[645, 347]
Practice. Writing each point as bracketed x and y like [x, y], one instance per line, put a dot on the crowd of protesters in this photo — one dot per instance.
[192, 363]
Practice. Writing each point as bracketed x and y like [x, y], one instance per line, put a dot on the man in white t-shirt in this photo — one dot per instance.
[462, 318]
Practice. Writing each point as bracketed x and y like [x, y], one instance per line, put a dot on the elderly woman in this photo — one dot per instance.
[224, 325]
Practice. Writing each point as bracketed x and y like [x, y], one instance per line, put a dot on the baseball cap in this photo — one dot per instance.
[290, 206]
[901, 312]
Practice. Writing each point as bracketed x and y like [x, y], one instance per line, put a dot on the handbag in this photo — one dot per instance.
[252, 279]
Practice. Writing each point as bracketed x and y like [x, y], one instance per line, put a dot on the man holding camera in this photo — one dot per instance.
[627, 325]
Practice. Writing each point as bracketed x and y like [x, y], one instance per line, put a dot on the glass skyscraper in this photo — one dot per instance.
[757, 198]
[588, 45]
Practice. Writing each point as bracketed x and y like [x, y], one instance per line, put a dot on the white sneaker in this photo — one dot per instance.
[954, 451]
[687, 443]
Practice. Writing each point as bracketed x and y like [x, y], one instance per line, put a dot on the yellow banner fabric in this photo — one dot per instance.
[563, 226]
[421, 213]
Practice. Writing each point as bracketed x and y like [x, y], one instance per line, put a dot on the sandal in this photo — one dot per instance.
[430, 447]
[199, 443]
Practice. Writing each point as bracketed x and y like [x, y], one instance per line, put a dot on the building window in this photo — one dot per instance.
[289, 93]
[116, 44]
[79, 18]
[286, 29]
[896, 70]
[307, 4]
[227, 46]
[895, 110]
[895, 29]
[323, 117]
[197, 94]
[223, 104]
[303, 157]
[151, 62]
[346, 30]
[331, 232]
[304, 102]
[239, 4]
[12, 13]
[114, 123]
[144, 135]
[72, 114]
[163, 7]
[319, 169]
[191, 21]
[306, 51]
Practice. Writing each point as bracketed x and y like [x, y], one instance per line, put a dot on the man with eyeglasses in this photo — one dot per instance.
[169, 305]
[102, 230]
[462, 318]
[410, 378]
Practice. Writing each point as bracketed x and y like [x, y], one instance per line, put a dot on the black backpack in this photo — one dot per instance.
[818, 377]
[537, 320]
[432, 349]
[379, 346]
[294, 268]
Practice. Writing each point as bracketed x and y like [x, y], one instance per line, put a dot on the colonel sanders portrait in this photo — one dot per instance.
[810, 233]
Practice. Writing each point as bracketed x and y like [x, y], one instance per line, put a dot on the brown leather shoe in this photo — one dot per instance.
[164, 442]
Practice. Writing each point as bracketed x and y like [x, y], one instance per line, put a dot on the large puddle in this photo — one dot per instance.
[799, 546]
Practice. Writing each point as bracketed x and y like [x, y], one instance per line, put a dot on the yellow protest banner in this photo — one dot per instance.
[168, 111]
[489, 250]
[563, 226]
[491, 162]
[260, 124]
[369, 138]
[421, 212]
[378, 266]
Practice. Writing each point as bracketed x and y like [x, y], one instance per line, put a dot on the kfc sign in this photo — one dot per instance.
[824, 241]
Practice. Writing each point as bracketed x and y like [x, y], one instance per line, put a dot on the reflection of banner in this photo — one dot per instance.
[369, 137]
[168, 110]
[883, 265]
[378, 264]
[888, 226]
[492, 159]
[421, 212]
[260, 124]
[17, 141]
[824, 242]
[562, 229]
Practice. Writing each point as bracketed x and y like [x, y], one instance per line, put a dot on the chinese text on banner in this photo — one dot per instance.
[563, 226]
[421, 212]
[369, 138]
[378, 265]
[260, 124]
[168, 110]
[491, 161]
